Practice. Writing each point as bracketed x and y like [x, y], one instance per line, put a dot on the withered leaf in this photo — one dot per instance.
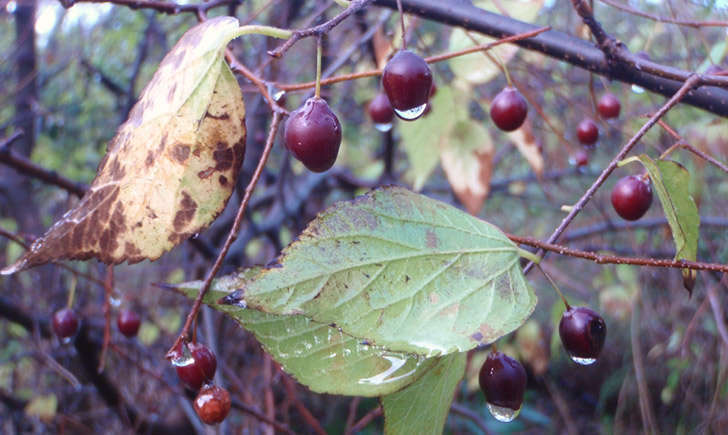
[171, 167]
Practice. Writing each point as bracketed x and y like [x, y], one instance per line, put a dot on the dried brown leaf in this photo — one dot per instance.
[171, 167]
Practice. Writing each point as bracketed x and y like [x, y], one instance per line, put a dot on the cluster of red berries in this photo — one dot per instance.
[313, 132]
[65, 323]
[196, 364]
[503, 379]
[587, 130]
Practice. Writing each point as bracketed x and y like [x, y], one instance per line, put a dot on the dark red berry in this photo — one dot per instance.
[407, 80]
[587, 132]
[581, 158]
[433, 89]
[197, 367]
[509, 109]
[212, 404]
[582, 333]
[503, 381]
[313, 135]
[608, 106]
[631, 197]
[380, 110]
[128, 322]
[65, 323]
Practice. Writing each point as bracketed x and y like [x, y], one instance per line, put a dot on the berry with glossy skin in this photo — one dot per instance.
[608, 106]
[509, 109]
[581, 158]
[587, 132]
[407, 80]
[503, 381]
[199, 368]
[380, 110]
[631, 197]
[128, 322]
[65, 323]
[313, 135]
[582, 333]
[212, 404]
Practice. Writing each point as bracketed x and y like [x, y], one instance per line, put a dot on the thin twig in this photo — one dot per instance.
[159, 6]
[473, 416]
[613, 259]
[364, 421]
[602, 227]
[27, 167]
[431, 59]
[108, 290]
[718, 314]
[648, 418]
[692, 82]
[688, 23]
[260, 416]
[301, 408]
[354, 6]
[232, 235]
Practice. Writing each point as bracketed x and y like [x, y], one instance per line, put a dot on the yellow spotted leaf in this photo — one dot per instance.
[171, 167]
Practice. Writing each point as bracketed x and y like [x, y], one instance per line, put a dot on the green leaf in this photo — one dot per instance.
[671, 181]
[401, 271]
[422, 139]
[317, 355]
[422, 408]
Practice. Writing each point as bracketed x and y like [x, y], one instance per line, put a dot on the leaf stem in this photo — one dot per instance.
[528, 255]
[317, 92]
[273, 32]
[401, 23]
[553, 284]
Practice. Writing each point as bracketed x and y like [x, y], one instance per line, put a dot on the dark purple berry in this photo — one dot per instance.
[503, 381]
[199, 368]
[509, 109]
[407, 80]
[65, 323]
[128, 322]
[587, 132]
[632, 197]
[608, 106]
[380, 110]
[582, 333]
[313, 135]
[212, 404]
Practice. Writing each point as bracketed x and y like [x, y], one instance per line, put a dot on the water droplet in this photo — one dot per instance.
[196, 235]
[183, 359]
[502, 413]
[383, 127]
[412, 113]
[638, 89]
[390, 375]
[66, 340]
[275, 92]
[583, 361]
[115, 301]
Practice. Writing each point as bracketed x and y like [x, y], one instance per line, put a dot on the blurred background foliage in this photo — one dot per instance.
[664, 365]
